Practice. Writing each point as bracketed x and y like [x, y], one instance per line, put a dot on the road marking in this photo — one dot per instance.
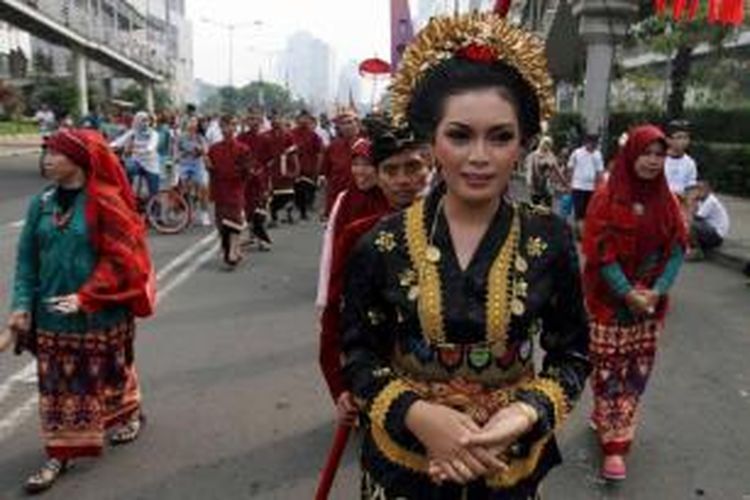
[188, 271]
[185, 256]
[28, 372]
[25, 374]
[18, 415]
[17, 224]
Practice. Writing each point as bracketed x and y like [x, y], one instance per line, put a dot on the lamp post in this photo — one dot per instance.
[231, 27]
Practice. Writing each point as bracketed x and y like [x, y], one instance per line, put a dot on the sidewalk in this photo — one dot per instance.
[735, 252]
[18, 145]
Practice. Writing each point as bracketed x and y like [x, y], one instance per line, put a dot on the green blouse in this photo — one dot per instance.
[56, 259]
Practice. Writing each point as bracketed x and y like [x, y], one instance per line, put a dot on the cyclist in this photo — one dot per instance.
[140, 152]
[191, 148]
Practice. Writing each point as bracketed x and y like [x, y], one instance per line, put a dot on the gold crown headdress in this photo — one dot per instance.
[483, 37]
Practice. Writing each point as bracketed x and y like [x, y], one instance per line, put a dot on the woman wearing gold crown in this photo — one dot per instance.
[442, 301]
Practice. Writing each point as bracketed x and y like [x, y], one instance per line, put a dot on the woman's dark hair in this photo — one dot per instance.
[456, 76]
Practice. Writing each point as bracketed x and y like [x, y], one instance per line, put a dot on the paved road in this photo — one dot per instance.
[237, 408]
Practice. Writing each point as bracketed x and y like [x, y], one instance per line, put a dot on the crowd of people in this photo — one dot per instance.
[434, 283]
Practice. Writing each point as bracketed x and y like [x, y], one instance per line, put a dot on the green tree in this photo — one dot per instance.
[60, 94]
[264, 95]
[137, 95]
[678, 41]
[11, 101]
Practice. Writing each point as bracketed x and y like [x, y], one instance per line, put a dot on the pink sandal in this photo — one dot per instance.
[614, 468]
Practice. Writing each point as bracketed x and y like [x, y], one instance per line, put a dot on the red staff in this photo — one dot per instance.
[328, 473]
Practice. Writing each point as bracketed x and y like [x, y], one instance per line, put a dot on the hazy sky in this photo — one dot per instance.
[356, 29]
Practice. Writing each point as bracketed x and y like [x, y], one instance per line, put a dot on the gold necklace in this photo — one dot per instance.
[505, 289]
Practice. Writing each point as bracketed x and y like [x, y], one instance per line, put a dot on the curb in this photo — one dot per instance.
[11, 138]
[19, 152]
[730, 255]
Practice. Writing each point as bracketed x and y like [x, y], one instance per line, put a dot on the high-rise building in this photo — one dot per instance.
[307, 65]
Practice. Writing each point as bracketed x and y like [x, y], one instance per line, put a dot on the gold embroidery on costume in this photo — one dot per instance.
[470, 399]
[503, 287]
[429, 305]
[536, 247]
[386, 241]
[376, 317]
[389, 448]
[555, 393]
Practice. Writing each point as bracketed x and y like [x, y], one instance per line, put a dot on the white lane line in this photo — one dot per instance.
[187, 272]
[16, 225]
[19, 414]
[28, 372]
[185, 256]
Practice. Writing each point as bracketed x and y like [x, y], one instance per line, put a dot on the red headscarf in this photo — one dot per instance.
[123, 273]
[614, 230]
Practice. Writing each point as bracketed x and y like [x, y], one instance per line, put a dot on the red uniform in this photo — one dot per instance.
[283, 170]
[337, 170]
[358, 213]
[230, 164]
[258, 182]
[309, 146]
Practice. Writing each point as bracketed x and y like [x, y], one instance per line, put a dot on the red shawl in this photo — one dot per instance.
[330, 321]
[123, 273]
[615, 233]
[357, 204]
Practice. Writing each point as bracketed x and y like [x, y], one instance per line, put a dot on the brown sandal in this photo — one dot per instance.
[45, 477]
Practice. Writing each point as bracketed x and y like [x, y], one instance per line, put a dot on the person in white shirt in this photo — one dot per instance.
[140, 146]
[679, 168]
[213, 132]
[45, 118]
[587, 166]
[710, 224]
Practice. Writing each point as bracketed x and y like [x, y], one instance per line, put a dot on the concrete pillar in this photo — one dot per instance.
[79, 64]
[602, 25]
[148, 88]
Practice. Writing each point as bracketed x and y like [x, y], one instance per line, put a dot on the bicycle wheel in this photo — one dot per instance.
[168, 212]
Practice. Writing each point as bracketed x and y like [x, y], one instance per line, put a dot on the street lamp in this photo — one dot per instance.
[230, 27]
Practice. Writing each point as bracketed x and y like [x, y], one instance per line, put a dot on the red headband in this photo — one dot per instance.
[72, 146]
[362, 147]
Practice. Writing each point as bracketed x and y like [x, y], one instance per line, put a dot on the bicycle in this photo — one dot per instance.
[168, 211]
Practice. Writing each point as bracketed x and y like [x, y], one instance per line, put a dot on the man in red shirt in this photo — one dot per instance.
[310, 151]
[229, 164]
[402, 171]
[283, 163]
[257, 186]
[337, 160]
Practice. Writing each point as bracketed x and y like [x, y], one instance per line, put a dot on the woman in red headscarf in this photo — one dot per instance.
[83, 273]
[634, 245]
[362, 199]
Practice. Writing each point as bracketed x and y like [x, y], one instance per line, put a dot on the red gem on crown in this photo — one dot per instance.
[478, 53]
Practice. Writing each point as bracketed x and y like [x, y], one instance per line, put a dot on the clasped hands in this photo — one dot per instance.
[642, 301]
[458, 449]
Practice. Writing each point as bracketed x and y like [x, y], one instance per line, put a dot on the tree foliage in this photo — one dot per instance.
[12, 102]
[60, 94]
[678, 41]
[137, 95]
[265, 95]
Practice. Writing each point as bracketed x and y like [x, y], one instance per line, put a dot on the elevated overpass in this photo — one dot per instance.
[51, 20]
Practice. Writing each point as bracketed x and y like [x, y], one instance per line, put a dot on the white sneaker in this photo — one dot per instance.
[204, 219]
